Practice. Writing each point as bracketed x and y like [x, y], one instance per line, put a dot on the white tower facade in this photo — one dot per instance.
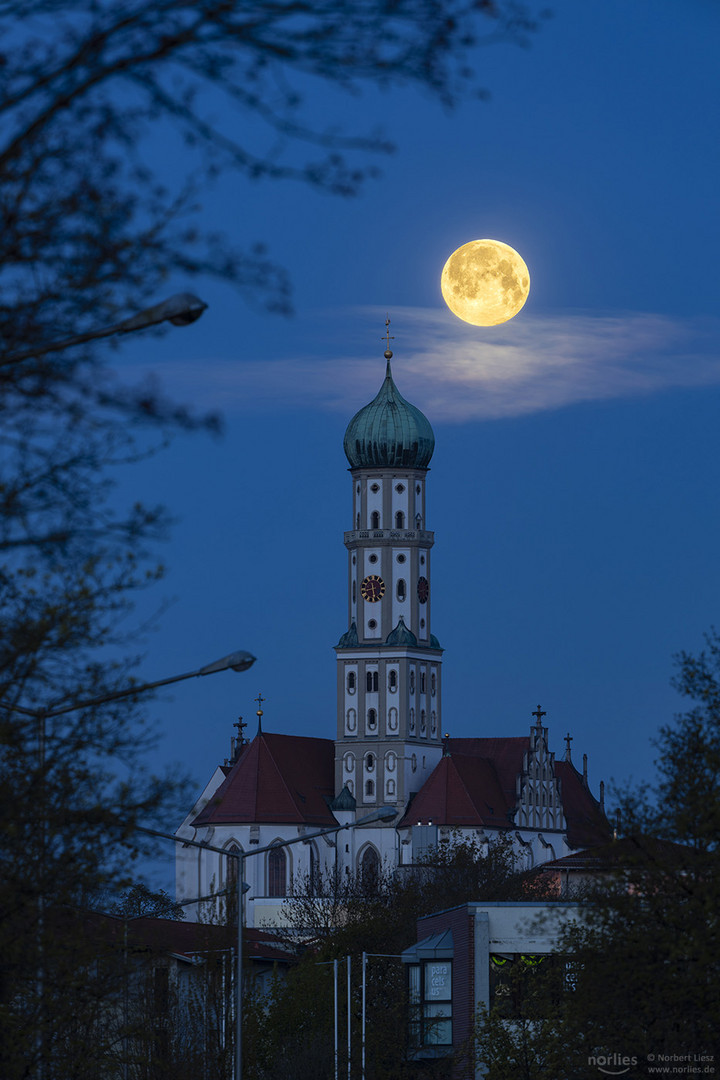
[389, 719]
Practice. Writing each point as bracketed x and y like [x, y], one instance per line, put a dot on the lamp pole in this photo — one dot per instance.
[179, 310]
[240, 660]
[383, 813]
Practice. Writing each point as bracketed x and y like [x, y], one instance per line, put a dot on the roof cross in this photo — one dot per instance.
[388, 338]
[240, 725]
[259, 712]
[568, 740]
[539, 713]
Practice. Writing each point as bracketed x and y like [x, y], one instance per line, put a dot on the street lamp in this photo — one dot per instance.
[240, 660]
[179, 310]
[382, 813]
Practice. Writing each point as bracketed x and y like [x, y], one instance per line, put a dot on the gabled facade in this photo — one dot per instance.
[389, 747]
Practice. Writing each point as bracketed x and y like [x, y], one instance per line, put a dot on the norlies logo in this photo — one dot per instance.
[612, 1064]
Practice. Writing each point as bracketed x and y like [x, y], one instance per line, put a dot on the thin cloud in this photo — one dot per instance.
[460, 373]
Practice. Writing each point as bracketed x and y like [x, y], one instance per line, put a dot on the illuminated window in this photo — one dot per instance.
[430, 993]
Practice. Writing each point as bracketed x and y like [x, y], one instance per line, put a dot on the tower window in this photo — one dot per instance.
[399, 520]
[375, 519]
[372, 624]
[418, 521]
[354, 593]
[401, 558]
[369, 762]
[371, 682]
[357, 522]
[400, 488]
[372, 559]
[433, 683]
[423, 723]
[392, 679]
[401, 592]
[276, 872]
[375, 488]
[412, 720]
[372, 719]
[369, 787]
[351, 682]
[422, 682]
[412, 681]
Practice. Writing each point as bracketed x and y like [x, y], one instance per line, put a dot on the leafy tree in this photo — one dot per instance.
[334, 915]
[139, 900]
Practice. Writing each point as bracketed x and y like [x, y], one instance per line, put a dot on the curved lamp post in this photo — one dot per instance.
[235, 661]
[383, 813]
[179, 310]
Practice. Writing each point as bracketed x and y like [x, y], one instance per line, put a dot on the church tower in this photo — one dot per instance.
[389, 727]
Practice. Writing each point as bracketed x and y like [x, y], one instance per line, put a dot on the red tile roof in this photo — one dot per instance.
[278, 778]
[475, 783]
[586, 822]
[462, 790]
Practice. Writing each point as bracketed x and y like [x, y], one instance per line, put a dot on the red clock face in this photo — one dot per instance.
[372, 588]
[423, 590]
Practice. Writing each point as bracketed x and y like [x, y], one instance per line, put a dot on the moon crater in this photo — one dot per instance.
[485, 282]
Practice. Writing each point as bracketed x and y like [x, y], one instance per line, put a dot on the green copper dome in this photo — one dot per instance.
[401, 635]
[389, 432]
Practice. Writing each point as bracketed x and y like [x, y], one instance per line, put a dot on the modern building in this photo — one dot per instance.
[389, 747]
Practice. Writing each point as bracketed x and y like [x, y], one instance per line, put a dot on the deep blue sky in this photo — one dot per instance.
[573, 491]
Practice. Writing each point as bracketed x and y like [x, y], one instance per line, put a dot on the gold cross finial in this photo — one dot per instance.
[388, 338]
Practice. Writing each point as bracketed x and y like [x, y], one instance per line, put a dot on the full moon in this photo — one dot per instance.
[485, 282]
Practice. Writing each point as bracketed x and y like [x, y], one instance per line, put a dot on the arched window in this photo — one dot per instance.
[370, 868]
[401, 589]
[371, 682]
[412, 681]
[433, 683]
[372, 719]
[392, 679]
[231, 865]
[357, 522]
[277, 863]
[375, 519]
[351, 682]
[418, 521]
[369, 762]
[399, 520]
[422, 682]
[412, 720]
[369, 787]
[422, 722]
[354, 600]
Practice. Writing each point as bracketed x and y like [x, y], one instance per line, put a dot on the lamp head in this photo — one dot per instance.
[235, 661]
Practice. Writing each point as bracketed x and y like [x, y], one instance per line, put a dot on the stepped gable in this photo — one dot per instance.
[475, 783]
[461, 790]
[586, 822]
[278, 778]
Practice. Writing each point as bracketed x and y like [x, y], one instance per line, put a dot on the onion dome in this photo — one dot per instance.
[401, 635]
[389, 432]
[434, 643]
